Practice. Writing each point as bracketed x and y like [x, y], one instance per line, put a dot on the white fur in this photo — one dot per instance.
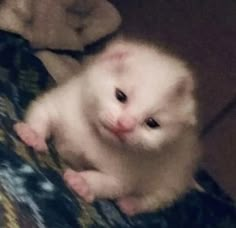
[152, 167]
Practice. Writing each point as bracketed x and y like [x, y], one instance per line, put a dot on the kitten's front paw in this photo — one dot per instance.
[30, 137]
[130, 205]
[78, 184]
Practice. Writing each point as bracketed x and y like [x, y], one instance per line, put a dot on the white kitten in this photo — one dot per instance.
[129, 121]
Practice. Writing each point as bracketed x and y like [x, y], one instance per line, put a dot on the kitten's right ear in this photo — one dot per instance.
[115, 59]
[116, 56]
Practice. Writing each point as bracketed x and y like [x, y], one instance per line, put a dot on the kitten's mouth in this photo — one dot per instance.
[112, 132]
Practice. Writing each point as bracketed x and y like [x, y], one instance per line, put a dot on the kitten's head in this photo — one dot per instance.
[139, 97]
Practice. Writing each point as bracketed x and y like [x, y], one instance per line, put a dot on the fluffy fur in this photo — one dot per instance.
[112, 151]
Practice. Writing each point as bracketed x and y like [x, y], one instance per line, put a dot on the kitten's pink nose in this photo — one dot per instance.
[124, 125]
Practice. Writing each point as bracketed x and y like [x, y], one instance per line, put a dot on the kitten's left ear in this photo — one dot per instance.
[184, 86]
[184, 94]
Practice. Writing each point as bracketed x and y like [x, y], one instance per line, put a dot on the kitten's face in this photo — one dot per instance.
[139, 99]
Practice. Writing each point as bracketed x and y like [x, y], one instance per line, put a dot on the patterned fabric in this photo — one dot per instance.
[32, 191]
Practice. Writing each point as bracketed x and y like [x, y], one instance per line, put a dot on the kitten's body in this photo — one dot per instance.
[142, 168]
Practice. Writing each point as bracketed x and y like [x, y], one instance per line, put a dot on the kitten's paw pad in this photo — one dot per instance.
[78, 184]
[30, 137]
[129, 205]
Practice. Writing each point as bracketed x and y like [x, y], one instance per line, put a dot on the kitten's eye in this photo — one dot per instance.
[120, 96]
[152, 123]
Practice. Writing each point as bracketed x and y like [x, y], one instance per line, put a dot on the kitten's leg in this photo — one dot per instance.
[30, 137]
[93, 184]
[36, 127]
[132, 205]
[79, 185]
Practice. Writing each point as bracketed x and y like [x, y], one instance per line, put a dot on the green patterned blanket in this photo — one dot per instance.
[32, 191]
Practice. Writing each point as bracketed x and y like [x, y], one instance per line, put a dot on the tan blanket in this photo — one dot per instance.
[59, 24]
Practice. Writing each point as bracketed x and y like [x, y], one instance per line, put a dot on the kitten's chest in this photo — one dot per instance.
[82, 148]
[72, 143]
[79, 146]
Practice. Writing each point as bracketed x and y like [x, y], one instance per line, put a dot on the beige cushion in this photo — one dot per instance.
[61, 24]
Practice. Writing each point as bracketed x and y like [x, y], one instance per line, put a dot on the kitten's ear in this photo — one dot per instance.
[116, 56]
[185, 86]
[115, 59]
[185, 98]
